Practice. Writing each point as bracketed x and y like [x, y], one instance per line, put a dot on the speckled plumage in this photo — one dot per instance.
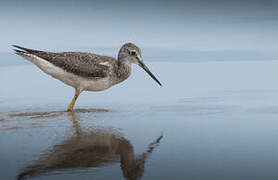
[79, 63]
[86, 71]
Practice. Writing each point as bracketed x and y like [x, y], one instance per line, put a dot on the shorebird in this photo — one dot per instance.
[86, 71]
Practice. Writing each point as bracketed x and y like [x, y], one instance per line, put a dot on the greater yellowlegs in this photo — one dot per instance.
[86, 71]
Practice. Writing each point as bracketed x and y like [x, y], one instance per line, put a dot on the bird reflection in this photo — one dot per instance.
[90, 149]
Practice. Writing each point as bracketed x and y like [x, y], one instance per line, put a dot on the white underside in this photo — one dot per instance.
[78, 82]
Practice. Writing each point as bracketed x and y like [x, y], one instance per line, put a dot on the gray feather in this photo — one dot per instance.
[79, 63]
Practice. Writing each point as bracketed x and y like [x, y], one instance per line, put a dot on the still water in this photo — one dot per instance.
[210, 120]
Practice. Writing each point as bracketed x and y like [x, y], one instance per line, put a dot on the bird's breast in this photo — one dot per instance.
[96, 84]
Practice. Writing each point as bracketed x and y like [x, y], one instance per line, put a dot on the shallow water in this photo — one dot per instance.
[210, 120]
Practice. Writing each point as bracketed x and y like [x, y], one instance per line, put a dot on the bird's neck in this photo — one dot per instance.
[123, 70]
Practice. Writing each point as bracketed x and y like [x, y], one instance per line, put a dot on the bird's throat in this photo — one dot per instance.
[123, 71]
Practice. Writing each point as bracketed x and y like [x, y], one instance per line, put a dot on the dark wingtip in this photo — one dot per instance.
[16, 46]
[18, 52]
[23, 48]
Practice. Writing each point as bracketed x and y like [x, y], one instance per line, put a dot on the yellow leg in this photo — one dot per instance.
[70, 107]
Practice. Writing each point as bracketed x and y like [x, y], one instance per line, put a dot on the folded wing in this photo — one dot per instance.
[83, 64]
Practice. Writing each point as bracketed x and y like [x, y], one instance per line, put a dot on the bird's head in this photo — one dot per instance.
[131, 53]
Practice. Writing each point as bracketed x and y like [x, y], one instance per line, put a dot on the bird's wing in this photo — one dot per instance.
[79, 63]
[82, 64]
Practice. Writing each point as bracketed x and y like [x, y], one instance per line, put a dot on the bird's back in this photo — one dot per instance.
[79, 63]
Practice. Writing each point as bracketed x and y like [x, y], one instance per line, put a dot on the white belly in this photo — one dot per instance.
[81, 83]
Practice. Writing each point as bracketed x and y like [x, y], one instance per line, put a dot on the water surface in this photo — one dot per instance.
[210, 120]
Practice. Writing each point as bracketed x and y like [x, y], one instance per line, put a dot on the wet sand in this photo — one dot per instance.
[210, 120]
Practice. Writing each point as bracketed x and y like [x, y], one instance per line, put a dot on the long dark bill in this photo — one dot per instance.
[142, 65]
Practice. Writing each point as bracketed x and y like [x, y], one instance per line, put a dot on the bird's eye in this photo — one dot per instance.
[133, 53]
